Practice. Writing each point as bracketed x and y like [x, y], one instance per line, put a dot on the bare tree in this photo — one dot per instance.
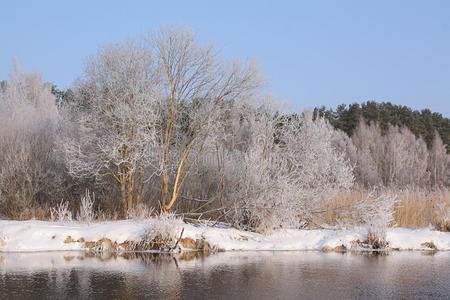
[369, 155]
[194, 83]
[439, 162]
[413, 170]
[395, 143]
[151, 103]
[397, 158]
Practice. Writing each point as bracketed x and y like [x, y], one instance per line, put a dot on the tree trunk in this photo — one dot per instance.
[123, 194]
[140, 186]
[130, 190]
[164, 190]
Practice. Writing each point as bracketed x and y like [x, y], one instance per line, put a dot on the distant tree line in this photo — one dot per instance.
[422, 123]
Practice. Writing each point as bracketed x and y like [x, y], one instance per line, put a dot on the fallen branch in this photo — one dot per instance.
[181, 235]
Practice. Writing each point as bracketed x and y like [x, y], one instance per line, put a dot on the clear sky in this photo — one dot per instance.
[313, 53]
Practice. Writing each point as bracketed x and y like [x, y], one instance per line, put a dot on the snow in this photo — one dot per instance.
[49, 236]
[411, 239]
[27, 236]
[233, 239]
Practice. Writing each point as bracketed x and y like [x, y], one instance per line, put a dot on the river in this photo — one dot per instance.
[229, 275]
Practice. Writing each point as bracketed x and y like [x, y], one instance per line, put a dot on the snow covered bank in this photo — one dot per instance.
[50, 236]
[16, 236]
[398, 238]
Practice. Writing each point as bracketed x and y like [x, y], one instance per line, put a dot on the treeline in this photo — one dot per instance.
[166, 123]
[421, 123]
[392, 145]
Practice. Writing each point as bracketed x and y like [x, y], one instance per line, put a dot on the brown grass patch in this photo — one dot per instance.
[69, 239]
[340, 248]
[416, 208]
[102, 245]
[199, 245]
[27, 213]
[429, 245]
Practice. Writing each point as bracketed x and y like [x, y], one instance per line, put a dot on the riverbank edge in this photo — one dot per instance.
[132, 235]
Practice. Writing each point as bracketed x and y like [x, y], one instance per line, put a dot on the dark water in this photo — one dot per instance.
[243, 275]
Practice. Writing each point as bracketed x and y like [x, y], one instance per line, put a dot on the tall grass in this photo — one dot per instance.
[415, 207]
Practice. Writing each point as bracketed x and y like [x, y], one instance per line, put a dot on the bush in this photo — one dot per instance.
[379, 215]
[87, 213]
[61, 213]
[162, 233]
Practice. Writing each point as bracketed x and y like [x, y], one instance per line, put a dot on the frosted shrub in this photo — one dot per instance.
[378, 216]
[290, 165]
[61, 213]
[131, 214]
[162, 232]
[141, 212]
[87, 213]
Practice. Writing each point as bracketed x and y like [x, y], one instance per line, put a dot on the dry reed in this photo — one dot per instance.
[416, 207]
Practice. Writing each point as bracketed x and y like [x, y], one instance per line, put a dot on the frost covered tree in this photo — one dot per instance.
[195, 82]
[369, 155]
[153, 104]
[397, 158]
[413, 171]
[288, 168]
[28, 121]
[111, 123]
[439, 162]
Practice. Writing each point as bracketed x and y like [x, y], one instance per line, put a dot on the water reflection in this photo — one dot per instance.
[238, 275]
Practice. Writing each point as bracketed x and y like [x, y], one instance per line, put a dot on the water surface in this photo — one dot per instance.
[238, 275]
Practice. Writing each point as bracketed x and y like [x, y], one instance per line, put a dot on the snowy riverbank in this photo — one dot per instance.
[19, 236]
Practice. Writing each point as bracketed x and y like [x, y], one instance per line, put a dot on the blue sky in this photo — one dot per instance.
[313, 53]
